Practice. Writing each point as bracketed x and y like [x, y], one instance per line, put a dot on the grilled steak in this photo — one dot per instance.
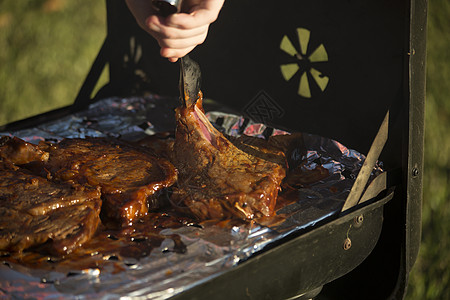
[127, 175]
[34, 211]
[217, 179]
[160, 144]
[20, 152]
[279, 149]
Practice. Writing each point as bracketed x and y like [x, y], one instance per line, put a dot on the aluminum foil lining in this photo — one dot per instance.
[210, 250]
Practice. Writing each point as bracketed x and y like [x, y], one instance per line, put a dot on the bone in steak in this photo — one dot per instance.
[34, 211]
[217, 179]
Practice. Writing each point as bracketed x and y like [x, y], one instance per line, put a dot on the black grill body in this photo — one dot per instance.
[331, 68]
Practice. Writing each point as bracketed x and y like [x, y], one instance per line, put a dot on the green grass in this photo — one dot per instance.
[48, 46]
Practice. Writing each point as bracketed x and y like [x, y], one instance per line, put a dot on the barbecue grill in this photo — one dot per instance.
[352, 71]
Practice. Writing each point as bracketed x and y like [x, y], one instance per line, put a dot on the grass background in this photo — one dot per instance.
[48, 46]
[46, 50]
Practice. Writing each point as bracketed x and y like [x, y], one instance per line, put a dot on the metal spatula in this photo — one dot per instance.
[190, 76]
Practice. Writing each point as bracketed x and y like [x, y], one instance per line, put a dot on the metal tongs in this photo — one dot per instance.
[190, 75]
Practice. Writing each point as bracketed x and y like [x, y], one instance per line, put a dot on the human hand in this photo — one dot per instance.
[179, 33]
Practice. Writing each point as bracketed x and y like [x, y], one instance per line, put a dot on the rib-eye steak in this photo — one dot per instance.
[35, 211]
[127, 175]
[217, 179]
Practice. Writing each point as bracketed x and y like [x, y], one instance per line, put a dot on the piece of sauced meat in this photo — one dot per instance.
[19, 152]
[216, 179]
[127, 175]
[159, 144]
[35, 211]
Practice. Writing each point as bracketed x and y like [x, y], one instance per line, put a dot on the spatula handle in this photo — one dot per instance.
[167, 7]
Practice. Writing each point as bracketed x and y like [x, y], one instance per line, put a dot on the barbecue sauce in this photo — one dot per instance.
[110, 247]
[120, 248]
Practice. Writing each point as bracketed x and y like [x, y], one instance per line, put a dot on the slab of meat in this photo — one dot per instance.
[35, 211]
[20, 152]
[216, 178]
[159, 144]
[127, 175]
[280, 149]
